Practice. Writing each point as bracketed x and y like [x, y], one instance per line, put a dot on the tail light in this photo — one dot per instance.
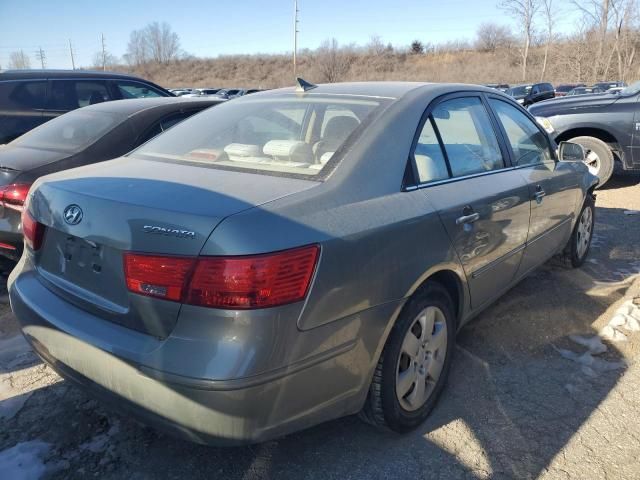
[13, 196]
[154, 276]
[241, 282]
[33, 231]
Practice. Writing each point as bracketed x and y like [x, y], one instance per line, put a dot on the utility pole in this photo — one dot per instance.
[41, 56]
[104, 54]
[73, 62]
[295, 38]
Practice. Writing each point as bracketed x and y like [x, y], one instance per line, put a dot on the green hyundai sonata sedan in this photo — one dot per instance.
[296, 255]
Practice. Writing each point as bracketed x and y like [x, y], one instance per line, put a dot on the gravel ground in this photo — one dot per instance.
[524, 399]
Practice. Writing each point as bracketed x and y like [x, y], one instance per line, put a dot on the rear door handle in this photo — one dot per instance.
[466, 219]
[540, 193]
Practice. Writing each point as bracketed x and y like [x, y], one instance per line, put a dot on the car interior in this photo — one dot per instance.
[297, 139]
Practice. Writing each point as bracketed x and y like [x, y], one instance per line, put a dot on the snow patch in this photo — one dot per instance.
[24, 461]
[14, 351]
[613, 335]
[100, 442]
[594, 344]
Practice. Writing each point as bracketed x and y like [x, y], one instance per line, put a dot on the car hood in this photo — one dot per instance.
[565, 104]
[23, 159]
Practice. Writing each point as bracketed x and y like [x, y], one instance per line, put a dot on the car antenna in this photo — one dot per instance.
[303, 85]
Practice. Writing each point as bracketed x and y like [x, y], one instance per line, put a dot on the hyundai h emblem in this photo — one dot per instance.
[73, 214]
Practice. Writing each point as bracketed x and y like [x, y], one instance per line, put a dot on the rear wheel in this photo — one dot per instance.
[598, 157]
[415, 362]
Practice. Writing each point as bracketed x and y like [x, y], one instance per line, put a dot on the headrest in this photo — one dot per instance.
[288, 150]
[339, 128]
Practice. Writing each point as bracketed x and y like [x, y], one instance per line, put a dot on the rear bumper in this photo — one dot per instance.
[322, 386]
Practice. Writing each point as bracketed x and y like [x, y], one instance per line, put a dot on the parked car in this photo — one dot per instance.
[564, 88]
[532, 93]
[29, 98]
[180, 92]
[229, 93]
[503, 87]
[294, 256]
[584, 91]
[605, 125]
[81, 137]
[607, 85]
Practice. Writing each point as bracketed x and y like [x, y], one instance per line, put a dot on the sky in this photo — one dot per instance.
[211, 28]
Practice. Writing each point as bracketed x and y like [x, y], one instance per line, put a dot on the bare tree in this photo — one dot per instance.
[137, 51]
[19, 61]
[549, 20]
[376, 46]
[598, 13]
[154, 43]
[627, 36]
[110, 60]
[490, 37]
[524, 12]
[332, 61]
[163, 43]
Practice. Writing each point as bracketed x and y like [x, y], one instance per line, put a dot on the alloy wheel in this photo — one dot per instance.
[585, 230]
[421, 359]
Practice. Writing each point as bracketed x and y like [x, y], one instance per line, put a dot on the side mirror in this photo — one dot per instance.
[570, 152]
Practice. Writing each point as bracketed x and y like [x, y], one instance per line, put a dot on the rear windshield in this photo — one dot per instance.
[288, 135]
[518, 91]
[70, 132]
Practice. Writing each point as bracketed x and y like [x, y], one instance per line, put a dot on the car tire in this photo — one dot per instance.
[393, 402]
[599, 157]
[577, 249]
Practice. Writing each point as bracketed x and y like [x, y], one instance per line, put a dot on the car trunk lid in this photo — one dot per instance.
[142, 206]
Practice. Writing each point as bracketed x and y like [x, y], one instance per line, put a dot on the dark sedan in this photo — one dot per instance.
[84, 136]
[29, 98]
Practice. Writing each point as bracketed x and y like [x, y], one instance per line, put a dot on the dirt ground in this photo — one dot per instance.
[525, 398]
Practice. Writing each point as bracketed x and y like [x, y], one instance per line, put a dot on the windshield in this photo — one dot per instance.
[518, 91]
[71, 132]
[631, 89]
[290, 135]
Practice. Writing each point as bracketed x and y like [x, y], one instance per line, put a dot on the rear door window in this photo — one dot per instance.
[21, 104]
[23, 95]
[528, 143]
[467, 136]
[71, 94]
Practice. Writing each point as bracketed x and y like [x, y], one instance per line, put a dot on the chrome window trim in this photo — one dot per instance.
[457, 179]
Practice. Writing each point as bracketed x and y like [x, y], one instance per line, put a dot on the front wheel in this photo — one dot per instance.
[598, 157]
[415, 362]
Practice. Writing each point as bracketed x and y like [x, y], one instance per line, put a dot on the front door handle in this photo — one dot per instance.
[540, 193]
[466, 219]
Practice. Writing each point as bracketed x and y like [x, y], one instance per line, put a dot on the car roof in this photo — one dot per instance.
[389, 90]
[133, 106]
[47, 73]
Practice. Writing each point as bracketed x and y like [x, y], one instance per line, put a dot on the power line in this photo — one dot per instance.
[40, 55]
[104, 54]
[73, 63]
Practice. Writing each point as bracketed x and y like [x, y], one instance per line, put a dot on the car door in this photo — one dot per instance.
[483, 205]
[553, 186]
